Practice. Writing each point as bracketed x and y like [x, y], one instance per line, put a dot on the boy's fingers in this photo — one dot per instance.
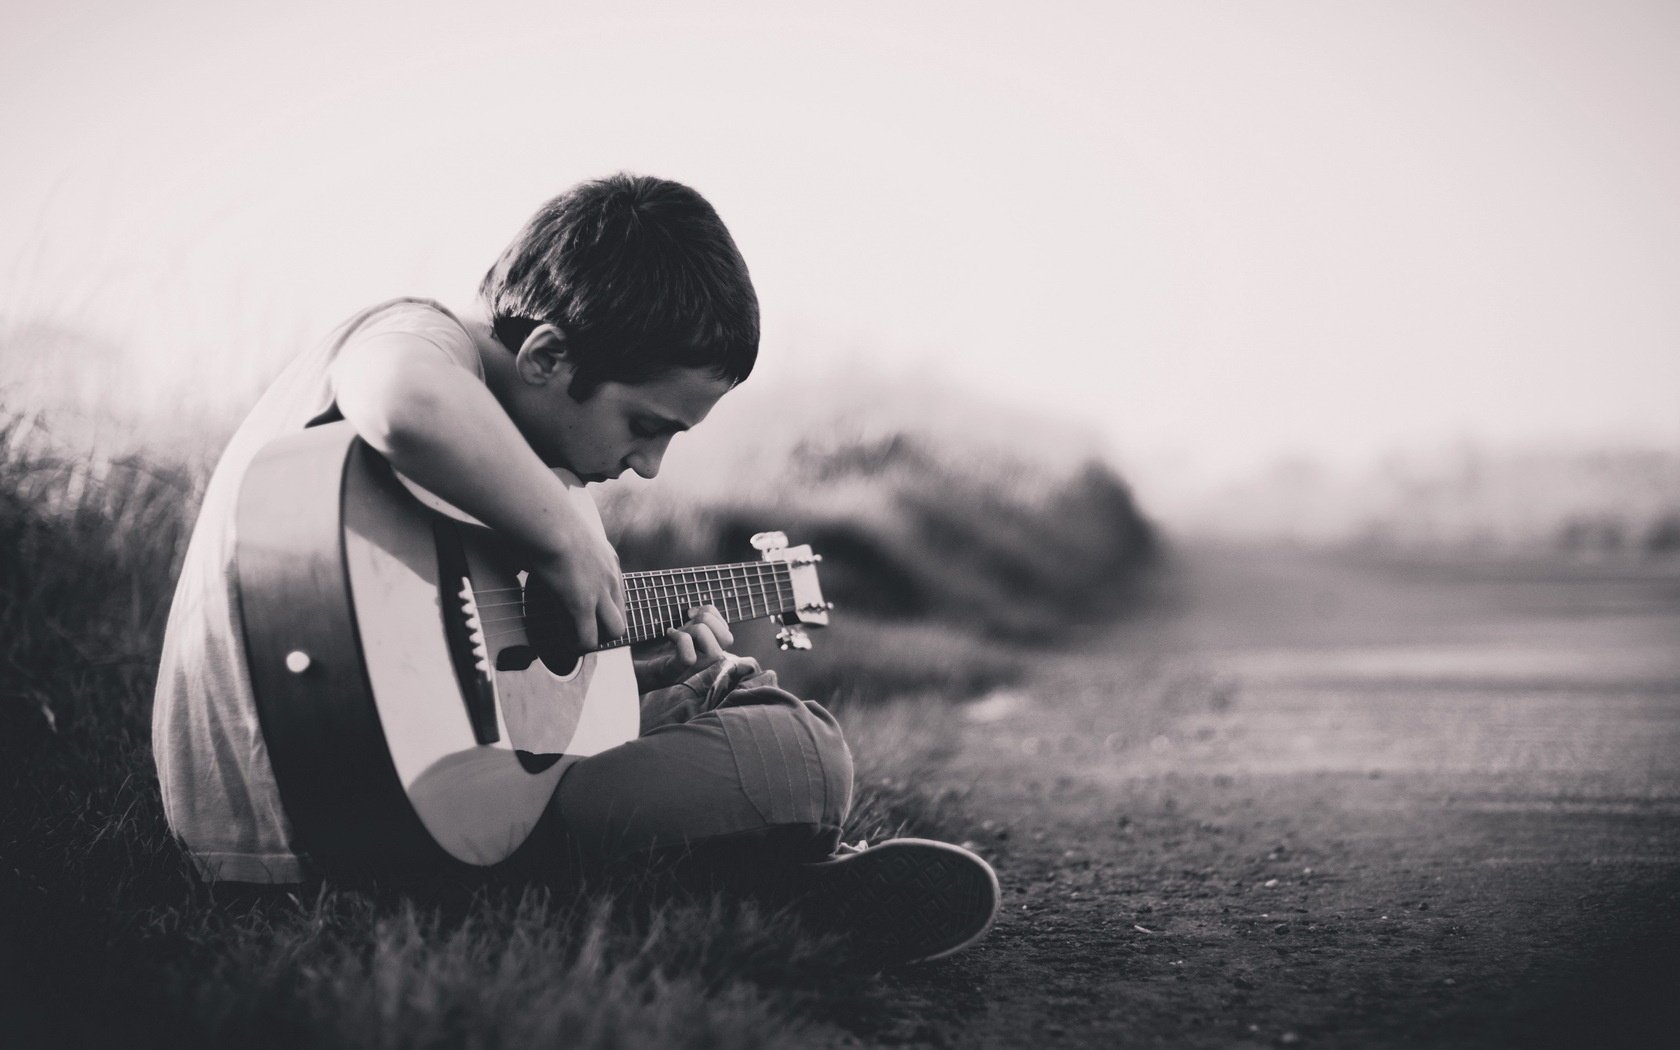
[612, 621]
[714, 620]
[587, 636]
[684, 646]
[595, 622]
[705, 642]
[709, 616]
[584, 622]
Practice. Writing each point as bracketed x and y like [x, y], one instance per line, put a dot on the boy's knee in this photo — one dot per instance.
[791, 757]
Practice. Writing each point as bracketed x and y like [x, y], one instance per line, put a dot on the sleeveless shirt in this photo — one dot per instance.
[219, 792]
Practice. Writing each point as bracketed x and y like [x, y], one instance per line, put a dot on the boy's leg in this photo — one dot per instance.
[755, 791]
[762, 764]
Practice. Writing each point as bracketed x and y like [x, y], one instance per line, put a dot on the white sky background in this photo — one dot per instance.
[1219, 233]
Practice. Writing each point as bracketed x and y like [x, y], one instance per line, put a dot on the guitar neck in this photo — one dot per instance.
[741, 591]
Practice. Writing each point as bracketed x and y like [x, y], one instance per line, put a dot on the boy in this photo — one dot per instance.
[615, 320]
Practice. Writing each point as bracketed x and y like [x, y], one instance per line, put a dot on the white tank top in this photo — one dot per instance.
[219, 793]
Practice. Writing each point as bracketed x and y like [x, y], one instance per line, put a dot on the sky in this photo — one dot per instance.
[1217, 235]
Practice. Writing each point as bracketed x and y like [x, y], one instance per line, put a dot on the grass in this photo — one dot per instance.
[106, 936]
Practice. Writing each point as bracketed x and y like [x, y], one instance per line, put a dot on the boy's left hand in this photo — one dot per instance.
[697, 644]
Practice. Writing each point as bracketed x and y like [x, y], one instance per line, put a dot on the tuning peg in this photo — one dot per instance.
[793, 637]
[769, 541]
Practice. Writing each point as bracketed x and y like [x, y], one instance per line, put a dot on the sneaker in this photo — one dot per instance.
[902, 901]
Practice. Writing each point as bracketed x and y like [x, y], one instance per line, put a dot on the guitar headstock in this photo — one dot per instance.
[809, 608]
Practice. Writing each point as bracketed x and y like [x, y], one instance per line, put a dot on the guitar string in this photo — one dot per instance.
[643, 594]
[640, 585]
[664, 610]
[766, 563]
[673, 617]
[638, 632]
[721, 587]
[639, 604]
[671, 601]
[662, 626]
[685, 593]
[676, 603]
[756, 569]
[668, 583]
[678, 612]
[663, 596]
[630, 637]
[684, 602]
[710, 590]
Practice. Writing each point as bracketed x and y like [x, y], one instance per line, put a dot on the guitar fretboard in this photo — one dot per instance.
[657, 601]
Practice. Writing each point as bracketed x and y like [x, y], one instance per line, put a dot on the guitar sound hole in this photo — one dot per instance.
[550, 630]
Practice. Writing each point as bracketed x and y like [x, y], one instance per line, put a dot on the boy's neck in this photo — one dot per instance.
[497, 360]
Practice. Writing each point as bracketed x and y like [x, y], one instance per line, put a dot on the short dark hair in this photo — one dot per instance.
[639, 274]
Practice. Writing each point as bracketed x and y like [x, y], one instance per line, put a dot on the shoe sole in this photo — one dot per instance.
[905, 900]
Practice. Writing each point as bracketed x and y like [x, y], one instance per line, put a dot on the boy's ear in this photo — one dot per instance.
[545, 357]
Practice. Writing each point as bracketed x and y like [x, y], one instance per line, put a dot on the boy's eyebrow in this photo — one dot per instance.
[666, 422]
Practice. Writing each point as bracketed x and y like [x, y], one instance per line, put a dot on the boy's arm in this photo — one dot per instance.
[440, 426]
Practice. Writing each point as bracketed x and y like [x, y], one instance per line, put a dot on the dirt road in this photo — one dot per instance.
[1332, 802]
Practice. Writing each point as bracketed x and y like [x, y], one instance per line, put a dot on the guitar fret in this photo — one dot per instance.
[740, 591]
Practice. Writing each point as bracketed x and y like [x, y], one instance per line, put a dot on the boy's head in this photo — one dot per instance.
[629, 296]
[638, 274]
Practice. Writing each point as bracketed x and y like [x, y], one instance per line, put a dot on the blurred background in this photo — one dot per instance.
[1303, 269]
[1385, 274]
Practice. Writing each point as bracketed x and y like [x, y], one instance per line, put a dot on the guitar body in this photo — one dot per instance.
[415, 704]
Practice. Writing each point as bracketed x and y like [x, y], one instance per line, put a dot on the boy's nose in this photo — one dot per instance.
[646, 459]
[646, 463]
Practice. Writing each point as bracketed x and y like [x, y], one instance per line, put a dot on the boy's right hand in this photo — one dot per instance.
[438, 424]
[586, 580]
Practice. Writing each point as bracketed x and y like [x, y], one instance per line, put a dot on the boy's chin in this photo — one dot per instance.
[586, 477]
[555, 463]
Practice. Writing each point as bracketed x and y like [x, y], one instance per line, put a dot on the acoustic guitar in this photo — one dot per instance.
[415, 688]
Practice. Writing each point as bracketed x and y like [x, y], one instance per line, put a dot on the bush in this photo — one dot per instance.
[1663, 537]
[90, 550]
[906, 533]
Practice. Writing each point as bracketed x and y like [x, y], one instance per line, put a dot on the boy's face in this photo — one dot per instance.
[621, 426]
